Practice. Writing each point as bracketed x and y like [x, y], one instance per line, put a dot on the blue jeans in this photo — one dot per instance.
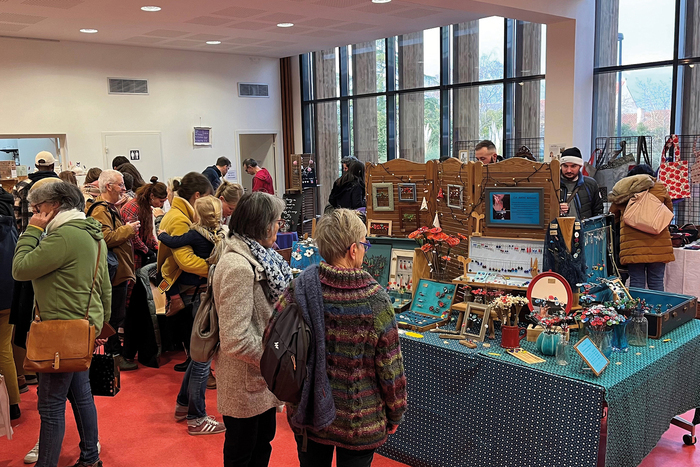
[643, 274]
[53, 390]
[194, 388]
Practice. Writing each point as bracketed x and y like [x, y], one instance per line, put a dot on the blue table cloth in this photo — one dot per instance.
[286, 239]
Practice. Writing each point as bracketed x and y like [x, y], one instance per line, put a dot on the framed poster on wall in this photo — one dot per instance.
[512, 207]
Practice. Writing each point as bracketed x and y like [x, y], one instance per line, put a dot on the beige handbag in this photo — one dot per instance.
[204, 341]
[62, 345]
[647, 213]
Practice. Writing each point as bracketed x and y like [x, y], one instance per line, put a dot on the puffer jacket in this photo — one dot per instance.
[118, 237]
[637, 247]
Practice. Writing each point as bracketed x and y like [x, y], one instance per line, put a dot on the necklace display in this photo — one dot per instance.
[511, 256]
[595, 245]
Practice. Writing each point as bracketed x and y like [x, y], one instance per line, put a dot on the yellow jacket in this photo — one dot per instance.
[171, 263]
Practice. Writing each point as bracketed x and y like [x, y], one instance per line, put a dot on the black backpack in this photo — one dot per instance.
[283, 363]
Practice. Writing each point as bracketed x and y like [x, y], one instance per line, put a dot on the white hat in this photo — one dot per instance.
[44, 158]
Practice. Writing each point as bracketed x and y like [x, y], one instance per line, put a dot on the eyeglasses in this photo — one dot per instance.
[367, 245]
[35, 208]
[280, 223]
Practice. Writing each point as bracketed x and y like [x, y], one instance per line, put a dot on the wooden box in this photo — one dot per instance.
[430, 307]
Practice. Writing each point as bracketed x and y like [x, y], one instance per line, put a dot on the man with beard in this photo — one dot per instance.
[582, 194]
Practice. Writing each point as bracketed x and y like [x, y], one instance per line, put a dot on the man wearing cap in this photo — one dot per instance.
[580, 194]
[44, 162]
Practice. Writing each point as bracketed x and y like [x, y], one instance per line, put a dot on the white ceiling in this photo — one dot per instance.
[243, 26]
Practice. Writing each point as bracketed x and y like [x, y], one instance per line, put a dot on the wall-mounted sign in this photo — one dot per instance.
[202, 136]
[135, 155]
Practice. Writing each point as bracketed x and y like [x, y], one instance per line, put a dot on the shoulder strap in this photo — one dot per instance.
[642, 150]
[109, 210]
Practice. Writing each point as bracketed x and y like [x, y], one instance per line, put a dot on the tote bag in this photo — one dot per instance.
[674, 174]
[647, 213]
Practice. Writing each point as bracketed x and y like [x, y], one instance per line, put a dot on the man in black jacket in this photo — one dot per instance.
[215, 172]
[581, 196]
[44, 163]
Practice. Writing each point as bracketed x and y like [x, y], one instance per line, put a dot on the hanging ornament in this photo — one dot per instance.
[440, 195]
[424, 205]
[436, 222]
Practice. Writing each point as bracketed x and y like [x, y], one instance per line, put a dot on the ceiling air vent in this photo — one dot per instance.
[253, 90]
[128, 86]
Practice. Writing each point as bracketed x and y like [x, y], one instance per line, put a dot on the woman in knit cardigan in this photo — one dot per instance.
[249, 278]
[358, 395]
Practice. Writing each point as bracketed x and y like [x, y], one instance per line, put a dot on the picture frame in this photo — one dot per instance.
[409, 218]
[382, 197]
[377, 261]
[378, 228]
[463, 321]
[407, 192]
[592, 355]
[401, 271]
[464, 155]
[455, 196]
[201, 136]
[514, 207]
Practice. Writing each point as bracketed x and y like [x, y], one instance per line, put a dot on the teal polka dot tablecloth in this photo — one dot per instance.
[471, 408]
[465, 410]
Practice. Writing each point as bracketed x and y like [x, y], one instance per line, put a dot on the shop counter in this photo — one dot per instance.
[474, 408]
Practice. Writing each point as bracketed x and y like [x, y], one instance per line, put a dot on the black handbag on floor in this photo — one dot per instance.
[104, 375]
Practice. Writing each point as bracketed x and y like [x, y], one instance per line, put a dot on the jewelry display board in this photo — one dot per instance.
[430, 307]
[507, 261]
[401, 273]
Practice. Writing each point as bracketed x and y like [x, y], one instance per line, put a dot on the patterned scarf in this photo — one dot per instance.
[278, 272]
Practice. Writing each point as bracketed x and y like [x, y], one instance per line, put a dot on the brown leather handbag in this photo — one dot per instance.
[61, 345]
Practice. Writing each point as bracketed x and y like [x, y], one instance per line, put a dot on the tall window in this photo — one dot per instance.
[646, 78]
[425, 95]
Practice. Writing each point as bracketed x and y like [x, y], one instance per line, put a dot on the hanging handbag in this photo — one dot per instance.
[204, 340]
[695, 170]
[105, 379]
[674, 174]
[62, 345]
[647, 213]
[615, 169]
[642, 150]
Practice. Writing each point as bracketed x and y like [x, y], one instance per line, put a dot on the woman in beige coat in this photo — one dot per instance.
[249, 278]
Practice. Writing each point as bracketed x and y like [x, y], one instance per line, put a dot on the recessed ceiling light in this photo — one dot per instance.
[213, 42]
[151, 8]
[88, 31]
[285, 25]
[381, 1]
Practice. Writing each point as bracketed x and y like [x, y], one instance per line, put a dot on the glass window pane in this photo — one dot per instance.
[528, 119]
[642, 28]
[477, 50]
[368, 128]
[327, 74]
[692, 29]
[478, 115]
[642, 108]
[528, 49]
[690, 104]
[327, 146]
[419, 126]
[367, 67]
[419, 59]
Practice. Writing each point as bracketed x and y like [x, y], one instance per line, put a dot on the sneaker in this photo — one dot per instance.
[180, 412]
[205, 426]
[182, 367]
[23, 388]
[31, 379]
[126, 365]
[211, 382]
[33, 455]
[84, 464]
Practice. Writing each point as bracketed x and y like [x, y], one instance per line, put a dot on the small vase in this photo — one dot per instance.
[562, 352]
[619, 337]
[638, 330]
[602, 339]
[547, 343]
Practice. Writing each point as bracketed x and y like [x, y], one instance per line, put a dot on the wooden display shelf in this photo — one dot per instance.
[459, 281]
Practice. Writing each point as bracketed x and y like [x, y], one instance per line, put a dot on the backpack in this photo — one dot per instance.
[286, 347]
[112, 261]
[204, 341]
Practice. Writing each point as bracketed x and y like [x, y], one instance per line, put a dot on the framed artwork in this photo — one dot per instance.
[401, 272]
[407, 192]
[520, 208]
[201, 136]
[383, 197]
[377, 262]
[409, 218]
[379, 228]
[454, 196]
[592, 355]
[463, 322]
[464, 155]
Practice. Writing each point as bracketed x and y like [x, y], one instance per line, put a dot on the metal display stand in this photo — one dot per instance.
[535, 145]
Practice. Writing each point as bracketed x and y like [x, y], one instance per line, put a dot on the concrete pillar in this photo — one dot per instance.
[411, 105]
[364, 76]
[466, 69]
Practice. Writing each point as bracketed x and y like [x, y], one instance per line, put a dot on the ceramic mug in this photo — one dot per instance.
[510, 336]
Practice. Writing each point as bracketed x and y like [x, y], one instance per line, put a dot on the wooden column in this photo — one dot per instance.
[287, 97]
[466, 69]
[364, 75]
[411, 105]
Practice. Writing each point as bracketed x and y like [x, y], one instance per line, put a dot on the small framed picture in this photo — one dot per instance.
[454, 196]
[382, 197]
[407, 192]
[475, 308]
[202, 136]
[379, 228]
[464, 155]
[401, 272]
[409, 218]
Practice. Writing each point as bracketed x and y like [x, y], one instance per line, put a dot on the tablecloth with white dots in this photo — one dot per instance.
[467, 410]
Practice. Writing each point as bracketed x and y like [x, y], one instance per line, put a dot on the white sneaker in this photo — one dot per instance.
[205, 426]
[33, 455]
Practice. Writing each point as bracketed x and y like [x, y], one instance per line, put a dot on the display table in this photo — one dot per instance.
[286, 239]
[470, 408]
[683, 275]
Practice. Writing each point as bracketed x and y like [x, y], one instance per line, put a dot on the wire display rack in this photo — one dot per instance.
[609, 145]
[464, 150]
[535, 145]
[687, 210]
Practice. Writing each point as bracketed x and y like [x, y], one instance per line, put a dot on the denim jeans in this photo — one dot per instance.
[643, 274]
[53, 390]
[194, 383]
[321, 455]
[247, 442]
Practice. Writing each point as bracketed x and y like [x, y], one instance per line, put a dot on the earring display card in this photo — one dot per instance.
[401, 275]
[431, 306]
[493, 259]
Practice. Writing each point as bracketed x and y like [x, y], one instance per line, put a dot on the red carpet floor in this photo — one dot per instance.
[137, 429]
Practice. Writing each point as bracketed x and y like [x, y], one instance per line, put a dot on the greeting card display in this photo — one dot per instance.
[674, 174]
[430, 308]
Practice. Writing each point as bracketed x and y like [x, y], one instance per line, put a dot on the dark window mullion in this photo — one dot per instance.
[674, 80]
[344, 112]
[390, 98]
[445, 93]
[508, 73]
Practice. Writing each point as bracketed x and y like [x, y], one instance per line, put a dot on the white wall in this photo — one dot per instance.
[61, 88]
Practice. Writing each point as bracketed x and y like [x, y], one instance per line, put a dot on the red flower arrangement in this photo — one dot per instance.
[432, 241]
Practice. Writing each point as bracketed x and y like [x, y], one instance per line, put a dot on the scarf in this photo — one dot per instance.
[63, 217]
[278, 272]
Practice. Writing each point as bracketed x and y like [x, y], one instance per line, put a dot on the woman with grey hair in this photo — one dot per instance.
[249, 278]
[355, 391]
[62, 269]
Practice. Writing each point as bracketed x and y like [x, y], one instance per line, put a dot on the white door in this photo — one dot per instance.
[260, 147]
[143, 149]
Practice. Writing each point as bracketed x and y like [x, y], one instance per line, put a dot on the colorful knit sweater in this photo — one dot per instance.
[363, 359]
